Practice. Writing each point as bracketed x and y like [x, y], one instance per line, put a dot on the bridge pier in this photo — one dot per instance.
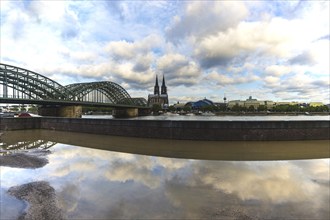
[74, 111]
[125, 112]
[144, 111]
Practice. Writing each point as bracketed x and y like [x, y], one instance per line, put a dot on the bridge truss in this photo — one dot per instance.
[19, 83]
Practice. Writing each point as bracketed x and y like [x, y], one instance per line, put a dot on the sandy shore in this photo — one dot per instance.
[23, 160]
[41, 198]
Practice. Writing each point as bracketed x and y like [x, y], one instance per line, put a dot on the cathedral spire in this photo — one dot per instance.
[163, 89]
[156, 88]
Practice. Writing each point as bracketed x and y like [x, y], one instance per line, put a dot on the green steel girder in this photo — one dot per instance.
[36, 86]
[114, 92]
[136, 101]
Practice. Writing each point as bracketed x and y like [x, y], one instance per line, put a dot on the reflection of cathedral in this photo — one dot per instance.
[159, 98]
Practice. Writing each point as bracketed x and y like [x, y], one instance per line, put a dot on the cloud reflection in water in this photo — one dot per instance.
[100, 184]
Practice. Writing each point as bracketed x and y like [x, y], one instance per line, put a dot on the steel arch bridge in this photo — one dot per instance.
[100, 92]
[21, 84]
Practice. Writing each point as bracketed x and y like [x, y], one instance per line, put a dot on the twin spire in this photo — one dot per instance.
[163, 88]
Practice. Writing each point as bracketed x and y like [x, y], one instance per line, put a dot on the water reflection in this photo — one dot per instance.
[98, 184]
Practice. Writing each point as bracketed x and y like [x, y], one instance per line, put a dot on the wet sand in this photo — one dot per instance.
[41, 198]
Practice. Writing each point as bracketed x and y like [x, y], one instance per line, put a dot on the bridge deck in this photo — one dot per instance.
[67, 103]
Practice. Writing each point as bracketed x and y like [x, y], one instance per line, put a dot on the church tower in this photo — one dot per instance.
[163, 88]
[156, 88]
[159, 98]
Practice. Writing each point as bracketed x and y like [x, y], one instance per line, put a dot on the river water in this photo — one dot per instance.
[170, 116]
[104, 177]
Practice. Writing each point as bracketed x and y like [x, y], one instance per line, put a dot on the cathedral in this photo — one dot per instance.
[160, 98]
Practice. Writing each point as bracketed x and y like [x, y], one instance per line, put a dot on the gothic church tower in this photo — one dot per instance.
[156, 87]
[163, 89]
[159, 98]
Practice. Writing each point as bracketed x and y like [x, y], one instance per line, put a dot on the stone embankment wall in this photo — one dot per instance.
[188, 130]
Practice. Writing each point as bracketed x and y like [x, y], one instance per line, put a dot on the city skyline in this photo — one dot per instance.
[271, 50]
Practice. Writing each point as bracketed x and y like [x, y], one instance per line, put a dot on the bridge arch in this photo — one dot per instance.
[103, 91]
[28, 84]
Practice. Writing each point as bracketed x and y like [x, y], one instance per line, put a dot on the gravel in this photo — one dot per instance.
[23, 160]
[41, 198]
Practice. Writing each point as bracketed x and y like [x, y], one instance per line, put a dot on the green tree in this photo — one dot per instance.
[156, 108]
[187, 108]
[222, 108]
[14, 108]
[207, 108]
[171, 108]
[33, 109]
[236, 108]
[262, 108]
[251, 108]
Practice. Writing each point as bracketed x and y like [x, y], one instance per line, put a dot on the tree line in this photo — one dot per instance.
[237, 108]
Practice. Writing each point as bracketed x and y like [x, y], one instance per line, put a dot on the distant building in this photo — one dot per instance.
[179, 106]
[315, 104]
[160, 98]
[200, 104]
[251, 102]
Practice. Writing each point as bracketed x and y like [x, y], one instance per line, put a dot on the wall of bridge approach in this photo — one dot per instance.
[185, 130]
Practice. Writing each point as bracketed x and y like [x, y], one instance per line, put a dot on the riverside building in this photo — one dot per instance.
[268, 103]
[251, 102]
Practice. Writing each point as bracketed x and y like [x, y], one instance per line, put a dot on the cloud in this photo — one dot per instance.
[190, 42]
[299, 86]
[248, 39]
[223, 80]
[127, 50]
[271, 80]
[202, 18]
[179, 70]
[277, 70]
[304, 58]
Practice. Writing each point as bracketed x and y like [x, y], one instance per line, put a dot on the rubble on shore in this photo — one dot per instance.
[41, 199]
[23, 160]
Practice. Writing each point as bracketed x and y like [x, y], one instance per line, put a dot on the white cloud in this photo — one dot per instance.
[223, 80]
[277, 70]
[179, 70]
[201, 18]
[189, 42]
[278, 38]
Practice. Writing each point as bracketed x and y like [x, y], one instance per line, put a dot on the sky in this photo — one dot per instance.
[270, 50]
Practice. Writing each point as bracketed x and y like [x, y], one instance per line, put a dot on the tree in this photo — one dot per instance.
[156, 108]
[187, 108]
[236, 108]
[251, 108]
[207, 108]
[33, 109]
[171, 108]
[262, 108]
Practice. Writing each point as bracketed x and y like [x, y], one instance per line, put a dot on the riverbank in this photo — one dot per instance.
[270, 113]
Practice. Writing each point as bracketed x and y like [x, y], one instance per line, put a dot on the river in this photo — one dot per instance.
[170, 116]
[104, 177]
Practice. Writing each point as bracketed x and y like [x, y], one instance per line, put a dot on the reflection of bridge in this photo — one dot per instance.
[22, 86]
[22, 146]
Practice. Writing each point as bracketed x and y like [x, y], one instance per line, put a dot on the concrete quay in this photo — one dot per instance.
[180, 130]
